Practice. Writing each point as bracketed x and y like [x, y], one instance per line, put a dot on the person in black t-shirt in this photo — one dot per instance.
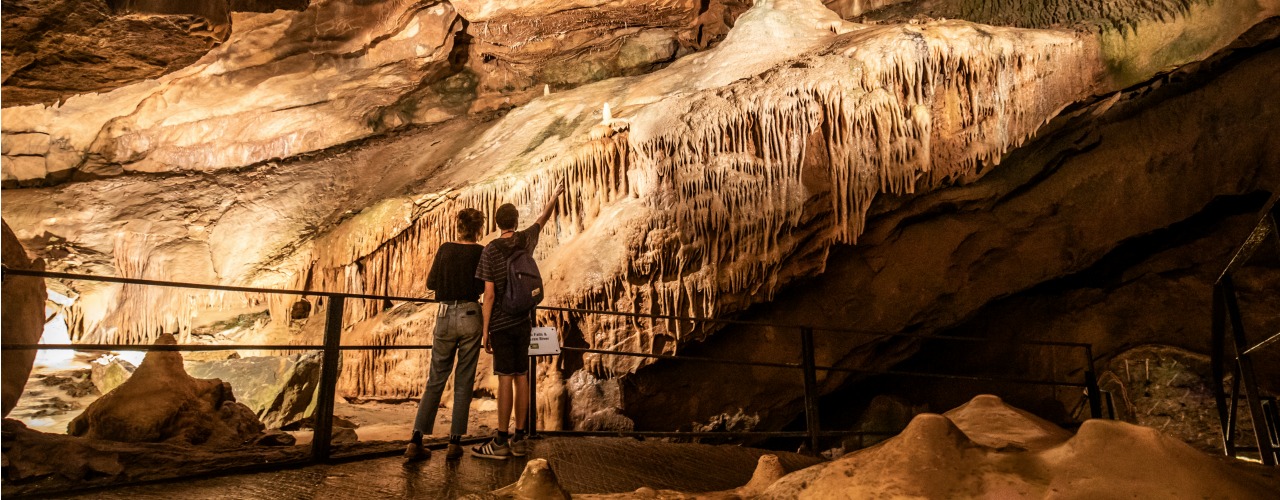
[506, 336]
[458, 332]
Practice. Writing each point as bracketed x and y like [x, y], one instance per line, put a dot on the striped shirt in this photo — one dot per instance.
[493, 267]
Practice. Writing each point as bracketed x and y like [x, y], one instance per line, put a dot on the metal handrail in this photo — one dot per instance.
[203, 286]
[332, 347]
[200, 347]
[721, 321]
[828, 368]
[1225, 316]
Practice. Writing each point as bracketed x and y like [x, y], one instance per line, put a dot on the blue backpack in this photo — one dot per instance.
[524, 283]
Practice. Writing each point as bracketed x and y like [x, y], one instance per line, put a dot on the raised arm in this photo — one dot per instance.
[551, 204]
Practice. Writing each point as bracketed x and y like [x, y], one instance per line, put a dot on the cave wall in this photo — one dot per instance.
[24, 299]
[290, 82]
[1144, 160]
[55, 49]
[1145, 309]
[717, 179]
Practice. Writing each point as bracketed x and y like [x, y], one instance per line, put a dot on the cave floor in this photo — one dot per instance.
[583, 465]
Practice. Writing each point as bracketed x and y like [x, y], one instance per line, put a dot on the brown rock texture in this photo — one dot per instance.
[1143, 307]
[962, 454]
[799, 145]
[519, 48]
[56, 49]
[281, 390]
[334, 72]
[161, 403]
[254, 97]
[39, 463]
[1157, 155]
[23, 316]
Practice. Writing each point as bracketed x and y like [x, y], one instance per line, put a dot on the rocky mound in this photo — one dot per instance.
[983, 449]
[162, 403]
[986, 449]
[23, 316]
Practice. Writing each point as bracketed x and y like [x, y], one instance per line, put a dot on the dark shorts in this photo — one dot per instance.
[511, 349]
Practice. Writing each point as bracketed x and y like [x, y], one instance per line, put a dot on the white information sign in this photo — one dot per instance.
[544, 341]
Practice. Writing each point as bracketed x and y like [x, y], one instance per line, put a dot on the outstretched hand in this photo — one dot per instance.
[551, 203]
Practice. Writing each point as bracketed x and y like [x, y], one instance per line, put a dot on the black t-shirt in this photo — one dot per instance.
[453, 274]
[493, 267]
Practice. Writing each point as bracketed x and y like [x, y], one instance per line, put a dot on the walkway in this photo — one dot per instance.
[583, 465]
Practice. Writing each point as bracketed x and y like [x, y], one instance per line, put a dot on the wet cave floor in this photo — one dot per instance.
[583, 465]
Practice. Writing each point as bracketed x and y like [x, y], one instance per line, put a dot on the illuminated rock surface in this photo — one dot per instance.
[23, 317]
[56, 49]
[983, 449]
[988, 449]
[720, 179]
[161, 403]
[216, 113]
[279, 389]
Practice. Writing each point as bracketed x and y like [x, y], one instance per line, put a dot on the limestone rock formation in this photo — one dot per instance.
[253, 98]
[930, 261]
[281, 390]
[522, 48]
[646, 227]
[987, 449]
[23, 316]
[538, 481]
[162, 403]
[1148, 292]
[400, 373]
[983, 449]
[39, 463]
[334, 72]
[108, 372]
[990, 422]
[56, 49]
[709, 186]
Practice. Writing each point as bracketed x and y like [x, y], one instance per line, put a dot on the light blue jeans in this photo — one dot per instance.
[457, 333]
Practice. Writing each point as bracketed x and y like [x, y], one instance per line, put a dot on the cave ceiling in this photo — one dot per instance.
[716, 152]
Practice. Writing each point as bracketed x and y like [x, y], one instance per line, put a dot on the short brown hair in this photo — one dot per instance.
[507, 216]
[470, 223]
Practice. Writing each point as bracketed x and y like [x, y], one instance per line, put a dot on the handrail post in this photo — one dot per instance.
[810, 388]
[1247, 376]
[1217, 362]
[531, 419]
[1091, 383]
[323, 429]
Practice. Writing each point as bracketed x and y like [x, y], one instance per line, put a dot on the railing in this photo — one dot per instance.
[1226, 314]
[806, 364]
[332, 348]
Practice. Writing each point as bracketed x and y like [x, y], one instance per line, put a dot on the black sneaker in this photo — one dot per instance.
[492, 450]
[519, 447]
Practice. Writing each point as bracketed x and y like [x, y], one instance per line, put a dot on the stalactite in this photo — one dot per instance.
[140, 313]
[910, 109]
